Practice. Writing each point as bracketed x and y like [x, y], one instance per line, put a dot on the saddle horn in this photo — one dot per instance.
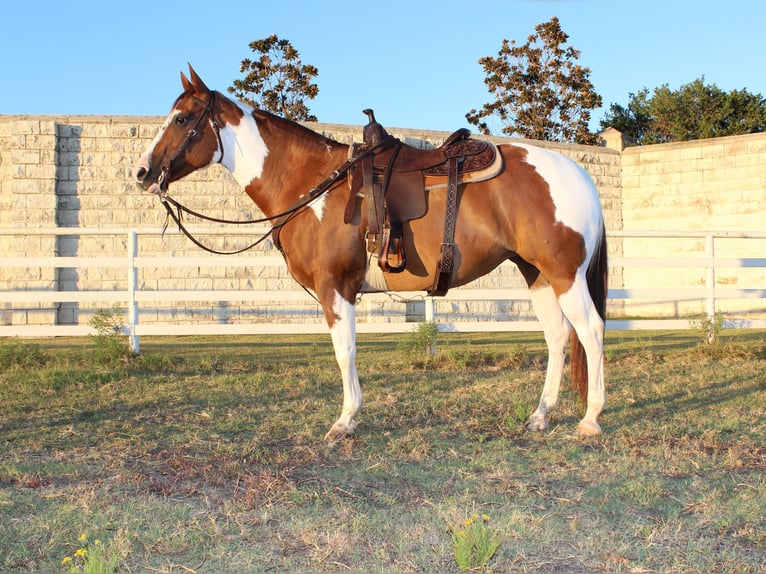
[373, 132]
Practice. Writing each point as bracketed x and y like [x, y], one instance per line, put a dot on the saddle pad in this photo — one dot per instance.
[439, 181]
[477, 155]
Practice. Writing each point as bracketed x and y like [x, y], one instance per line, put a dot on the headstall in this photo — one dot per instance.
[163, 181]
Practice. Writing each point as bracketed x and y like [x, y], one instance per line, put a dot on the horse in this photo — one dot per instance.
[541, 211]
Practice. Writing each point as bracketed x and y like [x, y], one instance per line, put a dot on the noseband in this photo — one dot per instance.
[163, 181]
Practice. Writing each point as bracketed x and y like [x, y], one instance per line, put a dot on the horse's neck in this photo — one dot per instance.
[244, 151]
[276, 161]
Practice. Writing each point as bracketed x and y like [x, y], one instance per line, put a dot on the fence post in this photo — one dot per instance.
[710, 286]
[132, 288]
[430, 309]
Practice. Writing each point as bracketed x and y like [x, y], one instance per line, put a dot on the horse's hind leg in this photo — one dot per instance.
[342, 320]
[556, 329]
[589, 326]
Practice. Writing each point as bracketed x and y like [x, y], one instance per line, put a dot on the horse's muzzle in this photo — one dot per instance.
[143, 174]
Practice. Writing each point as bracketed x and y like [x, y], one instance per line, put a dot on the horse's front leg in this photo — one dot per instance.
[341, 318]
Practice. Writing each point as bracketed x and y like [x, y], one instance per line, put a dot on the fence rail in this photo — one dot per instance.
[133, 298]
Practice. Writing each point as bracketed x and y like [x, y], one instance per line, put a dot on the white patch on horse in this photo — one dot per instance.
[556, 328]
[244, 149]
[581, 312]
[317, 206]
[144, 159]
[343, 332]
[572, 190]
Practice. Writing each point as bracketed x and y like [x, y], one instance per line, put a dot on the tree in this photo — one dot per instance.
[694, 111]
[540, 91]
[277, 80]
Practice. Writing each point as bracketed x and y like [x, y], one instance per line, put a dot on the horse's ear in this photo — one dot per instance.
[197, 81]
[185, 83]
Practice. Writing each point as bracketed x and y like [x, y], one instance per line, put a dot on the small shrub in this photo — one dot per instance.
[708, 328]
[111, 344]
[474, 544]
[422, 339]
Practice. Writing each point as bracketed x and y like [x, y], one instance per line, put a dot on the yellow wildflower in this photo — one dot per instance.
[485, 517]
[96, 542]
[80, 552]
[66, 560]
[83, 537]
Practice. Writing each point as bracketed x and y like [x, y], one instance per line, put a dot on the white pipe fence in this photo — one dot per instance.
[134, 298]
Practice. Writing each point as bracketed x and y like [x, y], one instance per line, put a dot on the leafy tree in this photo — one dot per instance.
[694, 111]
[540, 91]
[277, 80]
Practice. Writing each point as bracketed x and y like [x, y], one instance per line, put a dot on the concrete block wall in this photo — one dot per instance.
[74, 172]
[27, 195]
[715, 184]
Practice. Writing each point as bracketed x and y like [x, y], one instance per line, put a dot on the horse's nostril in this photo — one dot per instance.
[141, 173]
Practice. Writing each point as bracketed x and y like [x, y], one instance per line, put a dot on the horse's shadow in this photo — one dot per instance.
[679, 402]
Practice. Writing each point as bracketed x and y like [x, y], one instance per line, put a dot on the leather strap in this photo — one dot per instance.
[164, 179]
[392, 239]
[374, 222]
[444, 268]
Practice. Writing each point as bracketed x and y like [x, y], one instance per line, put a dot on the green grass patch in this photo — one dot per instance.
[205, 454]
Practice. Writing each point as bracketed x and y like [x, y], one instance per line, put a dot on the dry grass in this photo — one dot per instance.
[205, 455]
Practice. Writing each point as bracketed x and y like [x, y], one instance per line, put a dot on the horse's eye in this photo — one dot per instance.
[181, 120]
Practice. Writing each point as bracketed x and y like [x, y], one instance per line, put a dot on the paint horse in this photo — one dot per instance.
[541, 211]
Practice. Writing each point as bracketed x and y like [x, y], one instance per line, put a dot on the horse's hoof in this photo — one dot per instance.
[587, 429]
[537, 423]
[340, 430]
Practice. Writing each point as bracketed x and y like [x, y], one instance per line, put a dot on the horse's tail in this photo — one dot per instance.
[596, 276]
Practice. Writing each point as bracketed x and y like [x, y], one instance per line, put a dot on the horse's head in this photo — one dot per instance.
[188, 140]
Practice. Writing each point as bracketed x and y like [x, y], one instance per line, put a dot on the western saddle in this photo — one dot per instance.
[390, 177]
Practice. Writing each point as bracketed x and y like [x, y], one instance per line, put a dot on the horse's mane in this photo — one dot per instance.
[297, 130]
[294, 128]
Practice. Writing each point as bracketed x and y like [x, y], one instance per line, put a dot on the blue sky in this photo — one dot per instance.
[414, 62]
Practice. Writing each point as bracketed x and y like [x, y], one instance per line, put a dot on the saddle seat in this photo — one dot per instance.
[411, 158]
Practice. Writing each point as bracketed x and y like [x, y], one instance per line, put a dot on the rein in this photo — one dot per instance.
[175, 209]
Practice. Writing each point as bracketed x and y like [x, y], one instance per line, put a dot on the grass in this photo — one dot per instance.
[206, 455]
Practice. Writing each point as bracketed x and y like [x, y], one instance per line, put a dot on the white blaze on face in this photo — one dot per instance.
[244, 149]
[169, 120]
[145, 160]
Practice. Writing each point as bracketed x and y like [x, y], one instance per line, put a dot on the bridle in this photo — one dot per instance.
[175, 209]
[163, 181]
